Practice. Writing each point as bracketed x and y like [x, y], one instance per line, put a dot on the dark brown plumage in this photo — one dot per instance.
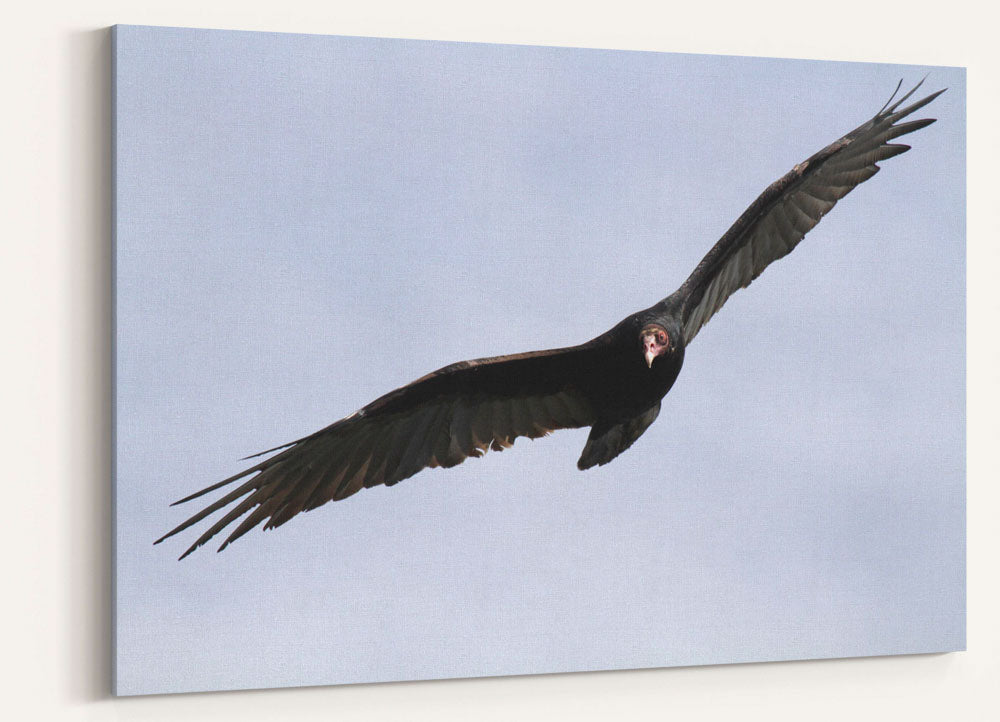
[612, 383]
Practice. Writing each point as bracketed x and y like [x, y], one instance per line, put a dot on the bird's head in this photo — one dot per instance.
[655, 341]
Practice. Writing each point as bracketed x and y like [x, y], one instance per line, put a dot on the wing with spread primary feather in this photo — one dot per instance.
[459, 411]
[789, 208]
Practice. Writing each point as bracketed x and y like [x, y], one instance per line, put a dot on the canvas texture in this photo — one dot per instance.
[303, 223]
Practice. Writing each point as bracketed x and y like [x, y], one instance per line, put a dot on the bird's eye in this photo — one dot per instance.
[661, 338]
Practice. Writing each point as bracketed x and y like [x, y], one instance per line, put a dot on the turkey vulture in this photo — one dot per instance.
[612, 383]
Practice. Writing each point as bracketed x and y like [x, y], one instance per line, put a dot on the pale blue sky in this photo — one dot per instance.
[306, 222]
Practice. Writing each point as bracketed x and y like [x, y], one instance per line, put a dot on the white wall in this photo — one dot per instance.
[54, 395]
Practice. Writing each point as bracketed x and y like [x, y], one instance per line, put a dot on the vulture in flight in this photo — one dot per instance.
[612, 383]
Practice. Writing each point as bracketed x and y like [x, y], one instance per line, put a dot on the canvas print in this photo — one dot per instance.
[724, 359]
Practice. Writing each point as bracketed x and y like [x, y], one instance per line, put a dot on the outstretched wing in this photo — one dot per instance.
[441, 419]
[775, 223]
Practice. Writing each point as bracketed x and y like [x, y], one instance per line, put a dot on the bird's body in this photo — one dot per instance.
[613, 383]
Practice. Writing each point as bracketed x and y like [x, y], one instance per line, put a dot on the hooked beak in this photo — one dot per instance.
[649, 344]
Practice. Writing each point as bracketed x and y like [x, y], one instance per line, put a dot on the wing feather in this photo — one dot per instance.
[455, 413]
[482, 425]
[461, 430]
[501, 426]
[776, 222]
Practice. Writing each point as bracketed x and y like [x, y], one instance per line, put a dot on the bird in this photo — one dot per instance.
[613, 383]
